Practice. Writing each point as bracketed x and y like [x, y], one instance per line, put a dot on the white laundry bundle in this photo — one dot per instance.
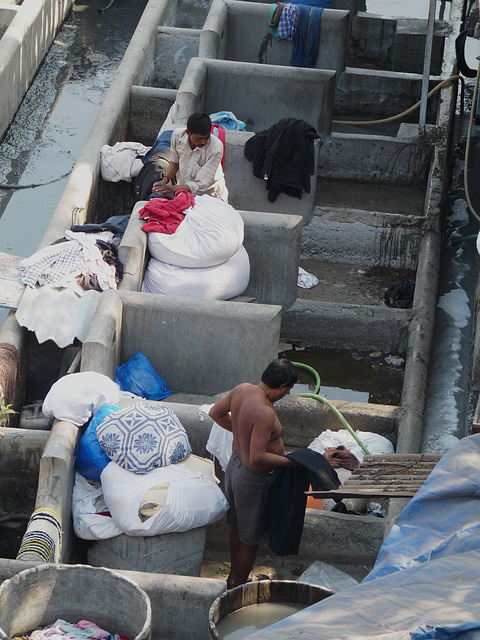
[77, 396]
[221, 282]
[211, 233]
[121, 161]
[178, 497]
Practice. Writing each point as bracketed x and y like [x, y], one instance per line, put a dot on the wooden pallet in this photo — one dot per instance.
[394, 475]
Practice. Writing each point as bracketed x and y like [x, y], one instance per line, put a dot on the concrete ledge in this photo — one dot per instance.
[378, 159]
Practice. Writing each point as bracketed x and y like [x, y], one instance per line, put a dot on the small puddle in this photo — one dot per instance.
[346, 376]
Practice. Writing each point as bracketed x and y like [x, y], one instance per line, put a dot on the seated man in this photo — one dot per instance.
[196, 155]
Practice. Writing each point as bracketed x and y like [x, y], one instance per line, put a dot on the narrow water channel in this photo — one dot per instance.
[55, 117]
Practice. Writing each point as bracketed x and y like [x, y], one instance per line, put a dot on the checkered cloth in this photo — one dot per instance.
[287, 25]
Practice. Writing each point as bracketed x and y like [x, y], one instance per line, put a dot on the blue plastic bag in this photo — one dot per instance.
[91, 459]
[139, 377]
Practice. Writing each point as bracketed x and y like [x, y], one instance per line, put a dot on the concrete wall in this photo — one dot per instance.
[328, 325]
[404, 160]
[363, 237]
[216, 85]
[20, 453]
[23, 46]
[149, 106]
[174, 48]
[189, 342]
[236, 30]
[272, 242]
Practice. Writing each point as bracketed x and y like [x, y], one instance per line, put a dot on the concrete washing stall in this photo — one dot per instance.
[272, 242]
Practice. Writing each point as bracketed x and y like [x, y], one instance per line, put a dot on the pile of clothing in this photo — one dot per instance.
[136, 473]
[79, 261]
[196, 250]
[299, 22]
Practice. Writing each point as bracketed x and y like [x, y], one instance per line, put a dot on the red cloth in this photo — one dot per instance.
[220, 133]
[164, 215]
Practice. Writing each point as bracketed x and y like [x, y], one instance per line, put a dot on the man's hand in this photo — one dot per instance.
[160, 186]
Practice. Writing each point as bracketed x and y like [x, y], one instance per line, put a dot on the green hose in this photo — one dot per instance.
[464, 239]
[315, 396]
[300, 365]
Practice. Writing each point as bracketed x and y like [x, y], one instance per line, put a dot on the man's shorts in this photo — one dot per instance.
[246, 492]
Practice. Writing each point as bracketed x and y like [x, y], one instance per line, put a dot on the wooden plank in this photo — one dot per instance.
[11, 289]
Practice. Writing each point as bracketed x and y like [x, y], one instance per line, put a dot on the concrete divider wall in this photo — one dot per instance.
[20, 453]
[404, 160]
[23, 46]
[189, 342]
[174, 48]
[222, 85]
[7, 13]
[236, 30]
[149, 106]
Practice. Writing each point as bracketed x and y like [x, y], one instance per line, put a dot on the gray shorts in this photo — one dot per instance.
[246, 491]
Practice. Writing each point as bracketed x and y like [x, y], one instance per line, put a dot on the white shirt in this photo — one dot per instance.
[200, 168]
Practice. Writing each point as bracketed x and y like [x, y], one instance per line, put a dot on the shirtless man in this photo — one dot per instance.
[247, 411]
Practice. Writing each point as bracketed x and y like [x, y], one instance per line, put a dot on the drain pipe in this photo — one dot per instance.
[426, 67]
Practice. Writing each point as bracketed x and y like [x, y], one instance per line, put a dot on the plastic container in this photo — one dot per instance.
[38, 597]
[263, 591]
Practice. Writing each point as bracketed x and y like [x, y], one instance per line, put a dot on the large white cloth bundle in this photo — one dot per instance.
[211, 233]
[77, 396]
[222, 282]
[193, 500]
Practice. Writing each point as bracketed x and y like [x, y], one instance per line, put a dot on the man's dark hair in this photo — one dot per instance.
[200, 124]
[280, 372]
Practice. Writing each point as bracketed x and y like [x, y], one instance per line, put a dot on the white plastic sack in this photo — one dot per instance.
[193, 500]
[326, 576]
[87, 501]
[222, 282]
[77, 396]
[120, 162]
[374, 442]
[211, 233]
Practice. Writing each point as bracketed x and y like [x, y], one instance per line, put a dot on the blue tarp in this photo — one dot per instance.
[425, 583]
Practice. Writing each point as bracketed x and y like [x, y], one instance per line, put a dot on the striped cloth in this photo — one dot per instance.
[43, 538]
[287, 25]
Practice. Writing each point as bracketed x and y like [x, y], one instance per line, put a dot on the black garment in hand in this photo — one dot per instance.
[283, 155]
[286, 500]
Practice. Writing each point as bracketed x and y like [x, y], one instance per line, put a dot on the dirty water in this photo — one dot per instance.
[351, 377]
[50, 128]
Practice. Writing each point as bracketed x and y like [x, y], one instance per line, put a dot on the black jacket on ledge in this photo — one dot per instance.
[283, 155]
[286, 501]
